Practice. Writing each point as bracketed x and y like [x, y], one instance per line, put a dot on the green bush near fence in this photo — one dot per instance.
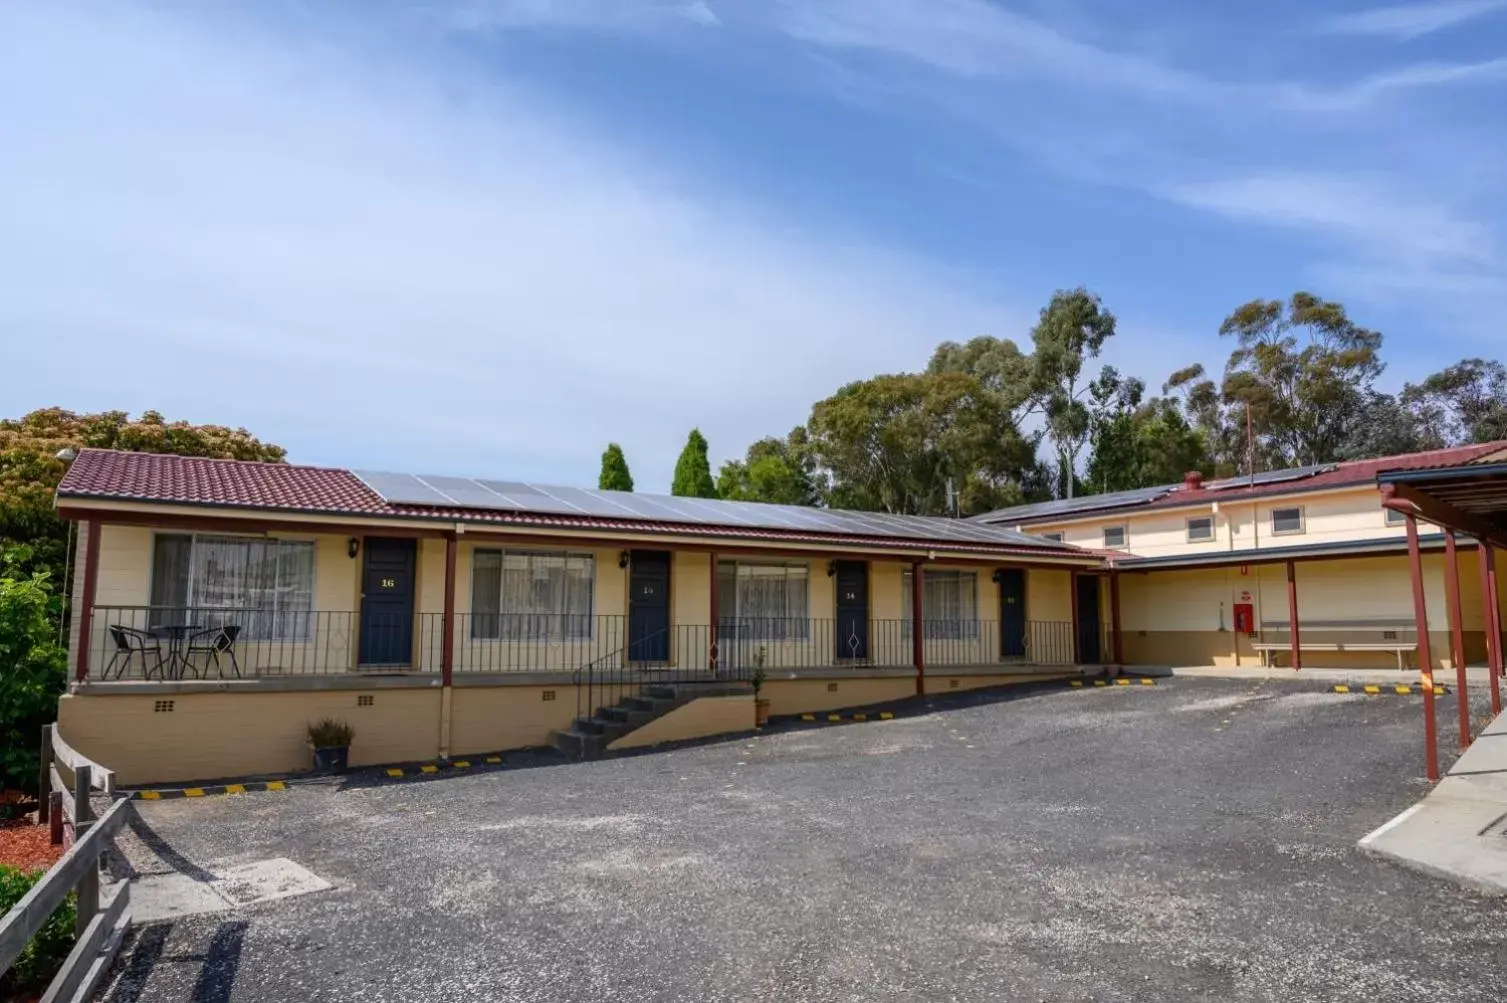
[33, 668]
[43, 957]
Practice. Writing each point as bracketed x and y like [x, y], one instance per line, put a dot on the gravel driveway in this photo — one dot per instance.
[1189, 841]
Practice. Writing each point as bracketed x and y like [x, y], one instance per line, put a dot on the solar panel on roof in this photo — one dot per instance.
[1073, 506]
[401, 489]
[1272, 476]
[514, 496]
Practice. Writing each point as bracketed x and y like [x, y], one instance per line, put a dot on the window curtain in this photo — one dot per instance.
[763, 602]
[264, 587]
[523, 596]
[949, 604]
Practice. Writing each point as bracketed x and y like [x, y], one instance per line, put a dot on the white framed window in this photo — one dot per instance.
[1115, 537]
[1287, 521]
[1054, 537]
[263, 586]
[1395, 518]
[1200, 529]
[526, 595]
[949, 604]
[763, 600]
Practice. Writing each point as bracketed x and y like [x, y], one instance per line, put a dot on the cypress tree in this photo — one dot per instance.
[693, 471]
[615, 475]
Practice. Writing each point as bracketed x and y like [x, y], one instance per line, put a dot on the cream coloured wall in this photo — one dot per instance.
[1329, 517]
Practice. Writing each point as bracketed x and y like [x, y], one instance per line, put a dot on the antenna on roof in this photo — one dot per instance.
[1250, 444]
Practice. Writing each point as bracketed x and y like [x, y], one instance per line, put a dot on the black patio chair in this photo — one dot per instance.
[213, 643]
[132, 645]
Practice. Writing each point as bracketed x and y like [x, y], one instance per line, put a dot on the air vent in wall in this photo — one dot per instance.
[365, 700]
[162, 707]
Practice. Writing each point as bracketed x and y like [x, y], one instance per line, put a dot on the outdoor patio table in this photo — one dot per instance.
[176, 635]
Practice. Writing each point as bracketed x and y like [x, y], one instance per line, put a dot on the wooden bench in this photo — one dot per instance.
[1385, 634]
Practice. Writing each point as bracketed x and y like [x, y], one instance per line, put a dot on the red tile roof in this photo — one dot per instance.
[1346, 474]
[278, 487]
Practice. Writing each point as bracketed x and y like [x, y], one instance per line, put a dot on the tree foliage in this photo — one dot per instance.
[1464, 403]
[33, 666]
[773, 470]
[1072, 329]
[30, 470]
[693, 471]
[1305, 371]
[892, 443]
[614, 475]
[1138, 443]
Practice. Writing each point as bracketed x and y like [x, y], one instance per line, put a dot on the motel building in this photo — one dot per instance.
[222, 606]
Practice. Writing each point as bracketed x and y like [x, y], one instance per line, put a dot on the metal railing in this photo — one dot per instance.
[175, 643]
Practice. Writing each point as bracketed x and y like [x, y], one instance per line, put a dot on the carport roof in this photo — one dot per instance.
[1278, 555]
[1471, 497]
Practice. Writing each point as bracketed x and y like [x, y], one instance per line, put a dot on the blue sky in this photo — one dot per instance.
[487, 237]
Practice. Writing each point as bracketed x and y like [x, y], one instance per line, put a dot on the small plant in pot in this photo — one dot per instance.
[331, 742]
[761, 706]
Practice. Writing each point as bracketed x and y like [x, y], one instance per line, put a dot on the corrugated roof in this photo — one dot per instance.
[1346, 474]
[285, 488]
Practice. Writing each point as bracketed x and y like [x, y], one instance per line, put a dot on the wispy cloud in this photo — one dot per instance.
[237, 229]
[594, 14]
[1362, 210]
[1410, 20]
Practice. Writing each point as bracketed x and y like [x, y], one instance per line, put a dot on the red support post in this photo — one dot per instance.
[1072, 589]
[917, 626]
[1493, 603]
[1425, 657]
[85, 611]
[1456, 631]
[716, 604]
[1116, 643]
[447, 629]
[1292, 616]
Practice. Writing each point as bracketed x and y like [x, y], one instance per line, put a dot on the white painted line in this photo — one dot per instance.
[1388, 826]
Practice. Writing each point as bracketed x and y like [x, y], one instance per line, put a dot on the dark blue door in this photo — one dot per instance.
[649, 606]
[1088, 620]
[1012, 612]
[387, 602]
[852, 610]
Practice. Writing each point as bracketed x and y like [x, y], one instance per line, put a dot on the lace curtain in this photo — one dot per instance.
[524, 596]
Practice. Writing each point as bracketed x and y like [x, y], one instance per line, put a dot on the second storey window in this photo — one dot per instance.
[763, 601]
[264, 587]
[1054, 537]
[524, 595]
[1395, 518]
[1115, 536]
[1200, 529]
[1287, 521]
[949, 604]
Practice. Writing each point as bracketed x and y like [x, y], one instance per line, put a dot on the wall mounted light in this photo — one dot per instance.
[352, 547]
[998, 576]
[831, 568]
[622, 559]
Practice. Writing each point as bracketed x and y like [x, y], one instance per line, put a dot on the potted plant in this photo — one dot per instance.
[761, 706]
[331, 742]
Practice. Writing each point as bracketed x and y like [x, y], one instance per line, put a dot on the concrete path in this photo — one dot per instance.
[1475, 676]
[1459, 831]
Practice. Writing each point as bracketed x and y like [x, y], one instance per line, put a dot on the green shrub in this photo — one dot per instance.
[40, 961]
[330, 734]
[33, 668]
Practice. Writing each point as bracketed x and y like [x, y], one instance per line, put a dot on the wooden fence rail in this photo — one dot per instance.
[98, 926]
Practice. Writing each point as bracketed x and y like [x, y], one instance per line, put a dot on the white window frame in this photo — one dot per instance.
[936, 628]
[1200, 518]
[1302, 521]
[531, 635]
[1124, 543]
[1394, 523]
[789, 628]
[248, 630]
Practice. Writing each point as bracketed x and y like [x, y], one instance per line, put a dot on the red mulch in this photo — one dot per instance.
[26, 845]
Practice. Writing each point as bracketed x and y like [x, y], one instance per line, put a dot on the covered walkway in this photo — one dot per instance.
[1472, 500]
